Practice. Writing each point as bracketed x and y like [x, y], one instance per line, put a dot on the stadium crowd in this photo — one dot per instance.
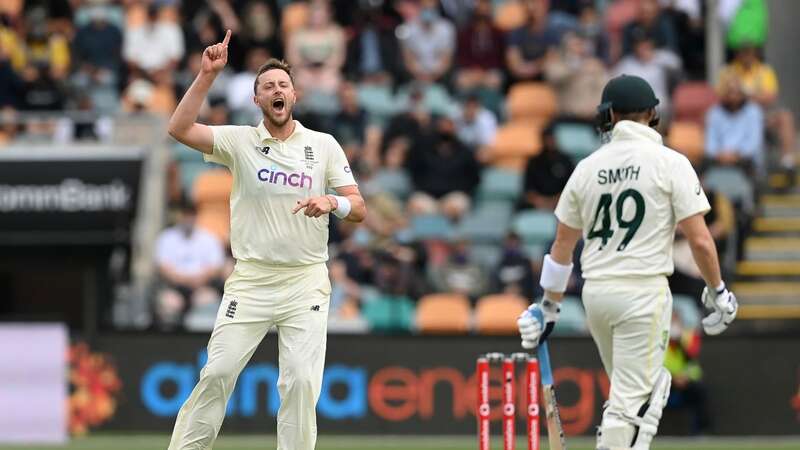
[462, 120]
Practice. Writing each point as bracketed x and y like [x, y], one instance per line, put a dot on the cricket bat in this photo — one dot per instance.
[555, 432]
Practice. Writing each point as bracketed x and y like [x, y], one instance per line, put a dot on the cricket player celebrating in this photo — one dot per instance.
[625, 201]
[279, 237]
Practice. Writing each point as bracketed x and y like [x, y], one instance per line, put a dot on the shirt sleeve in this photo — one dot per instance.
[713, 127]
[688, 197]
[224, 144]
[338, 172]
[568, 210]
[769, 82]
[754, 132]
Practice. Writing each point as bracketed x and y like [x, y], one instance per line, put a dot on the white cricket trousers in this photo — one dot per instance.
[629, 320]
[295, 300]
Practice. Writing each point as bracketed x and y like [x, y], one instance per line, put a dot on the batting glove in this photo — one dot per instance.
[723, 306]
[532, 331]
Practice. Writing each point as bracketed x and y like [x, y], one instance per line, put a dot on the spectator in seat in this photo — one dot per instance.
[657, 66]
[374, 50]
[760, 84]
[546, 174]
[10, 82]
[447, 166]
[577, 75]
[688, 390]
[651, 20]
[528, 45]
[40, 91]
[458, 274]
[98, 60]
[735, 129]
[190, 261]
[480, 51]
[590, 26]
[46, 48]
[350, 125]
[154, 46]
[514, 272]
[476, 125]
[239, 92]
[428, 43]
[317, 52]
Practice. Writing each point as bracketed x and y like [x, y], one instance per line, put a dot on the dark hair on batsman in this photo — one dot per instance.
[273, 63]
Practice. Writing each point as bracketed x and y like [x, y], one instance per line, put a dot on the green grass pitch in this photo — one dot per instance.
[257, 442]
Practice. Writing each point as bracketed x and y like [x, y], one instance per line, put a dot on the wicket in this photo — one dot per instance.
[508, 363]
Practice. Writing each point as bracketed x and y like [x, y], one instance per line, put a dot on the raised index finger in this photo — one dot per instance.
[227, 38]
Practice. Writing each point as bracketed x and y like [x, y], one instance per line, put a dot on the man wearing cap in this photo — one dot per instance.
[625, 201]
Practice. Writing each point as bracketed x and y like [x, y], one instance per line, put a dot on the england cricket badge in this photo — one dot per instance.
[309, 153]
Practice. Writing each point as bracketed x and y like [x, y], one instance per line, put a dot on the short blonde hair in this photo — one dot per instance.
[273, 63]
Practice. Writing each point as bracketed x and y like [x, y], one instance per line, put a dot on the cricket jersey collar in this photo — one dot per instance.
[630, 130]
[264, 134]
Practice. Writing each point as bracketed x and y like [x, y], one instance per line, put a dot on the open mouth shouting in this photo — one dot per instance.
[279, 105]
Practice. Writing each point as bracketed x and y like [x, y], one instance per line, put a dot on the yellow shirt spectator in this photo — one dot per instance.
[758, 79]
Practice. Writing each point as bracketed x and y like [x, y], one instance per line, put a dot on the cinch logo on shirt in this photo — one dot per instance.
[279, 177]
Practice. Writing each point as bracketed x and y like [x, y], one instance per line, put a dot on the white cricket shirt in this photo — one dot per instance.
[628, 197]
[269, 177]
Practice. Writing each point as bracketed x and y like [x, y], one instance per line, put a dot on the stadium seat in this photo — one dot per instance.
[216, 220]
[732, 182]
[572, 320]
[578, 140]
[535, 227]
[487, 256]
[691, 100]
[189, 171]
[510, 15]
[687, 310]
[687, 138]
[293, 17]
[531, 102]
[484, 227]
[517, 140]
[499, 184]
[430, 226]
[443, 314]
[497, 314]
[395, 182]
[388, 313]
[378, 101]
[212, 186]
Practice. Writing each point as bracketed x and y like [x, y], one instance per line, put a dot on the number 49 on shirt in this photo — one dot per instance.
[604, 232]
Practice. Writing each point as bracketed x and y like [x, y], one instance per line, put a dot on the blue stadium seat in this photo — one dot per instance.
[572, 320]
[578, 140]
[431, 226]
[499, 184]
[395, 182]
[687, 309]
[487, 256]
[535, 227]
[483, 228]
[378, 101]
[732, 182]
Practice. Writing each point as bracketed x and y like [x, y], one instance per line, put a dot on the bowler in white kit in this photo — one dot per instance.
[279, 238]
[625, 200]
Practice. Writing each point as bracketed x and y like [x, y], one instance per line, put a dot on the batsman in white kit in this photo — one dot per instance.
[625, 200]
[279, 237]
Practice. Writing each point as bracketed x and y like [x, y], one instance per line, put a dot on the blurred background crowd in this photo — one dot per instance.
[462, 120]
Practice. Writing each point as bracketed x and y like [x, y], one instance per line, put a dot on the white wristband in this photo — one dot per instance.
[555, 276]
[343, 210]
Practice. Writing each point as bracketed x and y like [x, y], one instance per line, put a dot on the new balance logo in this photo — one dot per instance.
[231, 309]
[315, 308]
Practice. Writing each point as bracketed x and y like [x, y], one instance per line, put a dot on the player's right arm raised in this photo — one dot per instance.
[182, 125]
